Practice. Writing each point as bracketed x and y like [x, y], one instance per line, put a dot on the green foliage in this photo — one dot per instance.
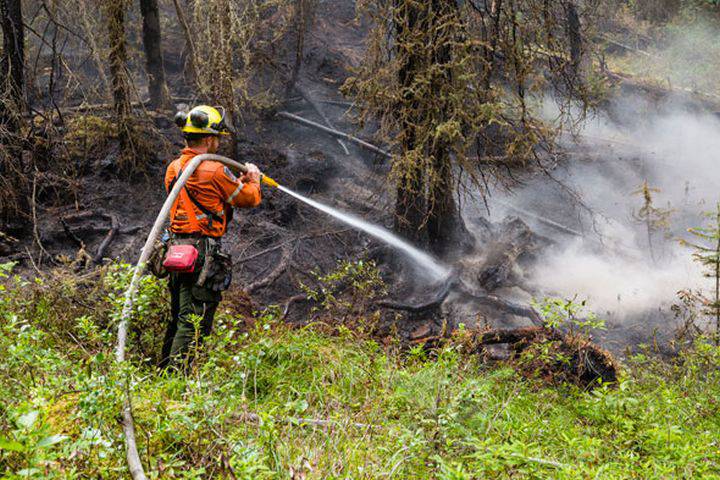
[681, 54]
[568, 314]
[246, 409]
[655, 219]
[88, 134]
[30, 448]
[707, 254]
[348, 290]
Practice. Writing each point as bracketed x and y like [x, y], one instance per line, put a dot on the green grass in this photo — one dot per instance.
[441, 415]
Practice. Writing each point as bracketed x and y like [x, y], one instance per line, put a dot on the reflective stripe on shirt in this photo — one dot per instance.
[235, 193]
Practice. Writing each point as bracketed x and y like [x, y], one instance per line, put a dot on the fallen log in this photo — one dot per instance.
[708, 99]
[308, 98]
[114, 227]
[543, 220]
[566, 358]
[627, 47]
[332, 131]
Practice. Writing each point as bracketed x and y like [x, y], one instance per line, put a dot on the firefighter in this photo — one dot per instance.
[199, 218]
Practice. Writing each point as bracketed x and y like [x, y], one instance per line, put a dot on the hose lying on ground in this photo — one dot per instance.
[133, 459]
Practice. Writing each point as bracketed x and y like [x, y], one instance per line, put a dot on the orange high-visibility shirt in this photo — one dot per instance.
[215, 187]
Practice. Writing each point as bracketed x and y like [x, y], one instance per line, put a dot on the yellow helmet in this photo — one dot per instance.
[203, 119]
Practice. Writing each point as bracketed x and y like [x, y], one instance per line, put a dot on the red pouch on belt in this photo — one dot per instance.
[181, 258]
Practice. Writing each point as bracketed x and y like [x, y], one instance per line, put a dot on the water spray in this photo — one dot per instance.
[434, 270]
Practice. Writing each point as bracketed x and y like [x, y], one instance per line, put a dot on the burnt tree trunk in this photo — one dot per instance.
[302, 16]
[12, 73]
[445, 227]
[410, 204]
[189, 54]
[573, 27]
[226, 92]
[157, 88]
[118, 61]
[444, 224]
[410, 208]
[13, 172]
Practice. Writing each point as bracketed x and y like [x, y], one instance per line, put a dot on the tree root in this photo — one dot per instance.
[275, 274]
[290, 301]
[453, 284]
[435, 303]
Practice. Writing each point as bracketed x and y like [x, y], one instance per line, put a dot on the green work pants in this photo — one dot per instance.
[189, 305]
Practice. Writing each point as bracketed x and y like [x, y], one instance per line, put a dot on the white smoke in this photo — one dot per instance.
[611, 265]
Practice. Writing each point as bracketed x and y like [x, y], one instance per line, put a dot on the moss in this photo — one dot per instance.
[88, 134]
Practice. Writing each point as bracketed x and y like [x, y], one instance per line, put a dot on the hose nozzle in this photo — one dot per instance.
[269, 181]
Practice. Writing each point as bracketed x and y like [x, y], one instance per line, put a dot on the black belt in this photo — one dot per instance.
[187, 235]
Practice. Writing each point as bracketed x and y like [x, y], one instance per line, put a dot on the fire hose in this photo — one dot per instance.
[132, 456]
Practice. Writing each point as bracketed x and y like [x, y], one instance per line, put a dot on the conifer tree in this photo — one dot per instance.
[707, 253]
[654, 218]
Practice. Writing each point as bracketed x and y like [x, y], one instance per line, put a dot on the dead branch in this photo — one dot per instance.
[332, 131]
[114, 227]
[7, 238]
[71, 235]
[36, 230]
[339, 103]
[290, 301]
[287, 242]
[81, 215]
[266, 251]
[543, 220]
[275, 274]
[188, 37]
[308, 98]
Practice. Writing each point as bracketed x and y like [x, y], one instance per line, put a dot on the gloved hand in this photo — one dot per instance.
[252, 175]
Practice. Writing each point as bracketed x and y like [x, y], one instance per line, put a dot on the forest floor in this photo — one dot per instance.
[267, 400]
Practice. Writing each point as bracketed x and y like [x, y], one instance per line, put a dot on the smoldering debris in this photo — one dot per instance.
[624, 270]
